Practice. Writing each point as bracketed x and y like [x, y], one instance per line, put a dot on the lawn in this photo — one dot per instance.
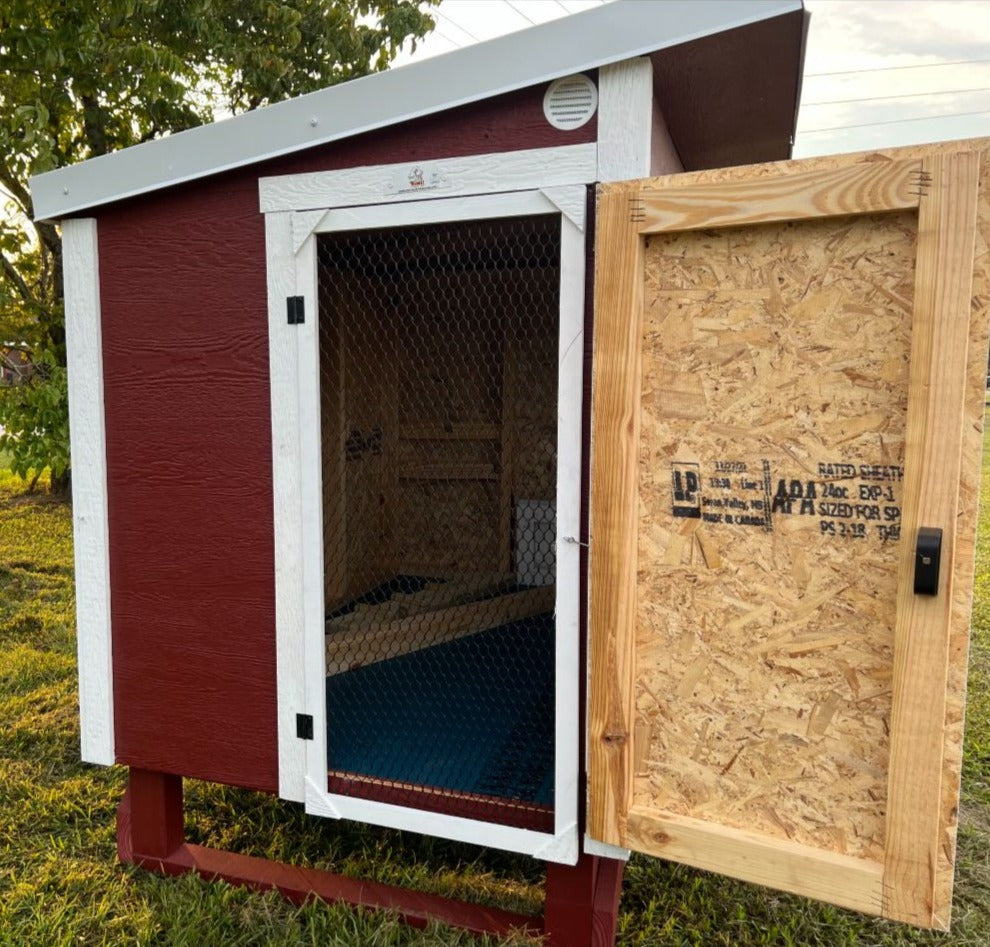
[60, 883]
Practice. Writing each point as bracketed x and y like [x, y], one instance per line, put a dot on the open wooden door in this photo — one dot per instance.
[788, 391]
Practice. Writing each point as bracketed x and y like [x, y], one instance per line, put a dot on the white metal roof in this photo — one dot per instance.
[607, 34]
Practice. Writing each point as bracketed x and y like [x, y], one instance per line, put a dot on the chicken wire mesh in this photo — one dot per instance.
[439, 413]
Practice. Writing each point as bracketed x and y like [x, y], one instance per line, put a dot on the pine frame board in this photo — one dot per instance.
[933, 457]
[913, 883]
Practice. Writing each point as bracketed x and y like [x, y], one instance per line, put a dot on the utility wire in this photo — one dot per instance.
[509, 4]
[516, 9]
[924, 65]
[891, 121]
[457, 26]
[904, 95]
[445, 37]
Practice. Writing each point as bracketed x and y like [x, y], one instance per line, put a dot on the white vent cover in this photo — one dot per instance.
[570, 102]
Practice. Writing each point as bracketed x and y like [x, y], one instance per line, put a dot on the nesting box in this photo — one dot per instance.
[393, 425]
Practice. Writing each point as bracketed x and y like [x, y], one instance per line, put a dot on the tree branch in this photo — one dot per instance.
[94, 125]
[49, 238]
[22, 288]
[18, 190]
[47, 234]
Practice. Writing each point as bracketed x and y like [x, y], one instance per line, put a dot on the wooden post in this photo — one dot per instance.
[582, 902]
[150, 823]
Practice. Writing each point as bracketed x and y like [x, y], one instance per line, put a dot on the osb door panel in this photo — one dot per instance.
[788, 384]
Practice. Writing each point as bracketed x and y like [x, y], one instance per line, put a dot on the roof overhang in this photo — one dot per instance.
[732, 97]
[607, 34]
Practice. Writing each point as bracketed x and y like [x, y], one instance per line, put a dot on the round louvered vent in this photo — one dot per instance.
[570, 102]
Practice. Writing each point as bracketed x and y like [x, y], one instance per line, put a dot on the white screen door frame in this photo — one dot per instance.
[291, 237]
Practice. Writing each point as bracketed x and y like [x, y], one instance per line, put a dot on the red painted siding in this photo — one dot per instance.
[183, 294]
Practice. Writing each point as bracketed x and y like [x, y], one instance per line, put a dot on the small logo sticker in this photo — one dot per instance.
[418, 177]
[686, 484]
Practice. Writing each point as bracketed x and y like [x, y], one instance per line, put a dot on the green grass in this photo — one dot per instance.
[60, 883]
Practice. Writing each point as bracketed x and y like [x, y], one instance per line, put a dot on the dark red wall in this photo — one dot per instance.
[185, 349]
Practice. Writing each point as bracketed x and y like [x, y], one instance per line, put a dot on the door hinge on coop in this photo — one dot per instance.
[304, 726]
[296, 310]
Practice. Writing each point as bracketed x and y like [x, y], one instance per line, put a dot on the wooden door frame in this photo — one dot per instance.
[943, 188]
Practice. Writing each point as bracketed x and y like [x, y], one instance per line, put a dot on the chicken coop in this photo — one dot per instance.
[517, 448]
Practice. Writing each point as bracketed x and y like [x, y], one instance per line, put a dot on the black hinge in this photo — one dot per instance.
[304, 726]
[296, 310]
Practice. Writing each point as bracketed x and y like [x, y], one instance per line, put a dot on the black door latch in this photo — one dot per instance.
[927, 555]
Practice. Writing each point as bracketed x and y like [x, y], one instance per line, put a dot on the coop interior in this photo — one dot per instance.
[439, 445]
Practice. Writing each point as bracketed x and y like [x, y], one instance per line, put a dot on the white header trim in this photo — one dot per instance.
[514, 204]
[91, 530]
[449, 177]
[607, 34]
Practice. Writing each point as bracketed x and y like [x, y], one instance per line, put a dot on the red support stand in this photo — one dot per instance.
[581, 902]
[150, 820]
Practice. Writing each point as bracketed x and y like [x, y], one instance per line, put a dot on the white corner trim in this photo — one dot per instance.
[303, 225]
[425, 180]
[287, 512]
[318, 801]
[603, 849]
[87, 433]
[571, 201]
[562, 848]
[625, 120]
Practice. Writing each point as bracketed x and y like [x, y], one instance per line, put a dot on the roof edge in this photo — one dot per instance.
[610, 33]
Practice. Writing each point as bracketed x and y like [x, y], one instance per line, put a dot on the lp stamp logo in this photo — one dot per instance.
[686, 481]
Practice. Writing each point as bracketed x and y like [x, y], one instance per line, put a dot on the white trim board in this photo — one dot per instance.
[625, 120]
[301, 669]
[570, 398]
[283, 366]
[455, 828]
[515, 204]
[383, 184]
[606, 34]
[604, 850]
[90, 523]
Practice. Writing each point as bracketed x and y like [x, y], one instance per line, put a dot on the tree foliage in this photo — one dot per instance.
[81, 78]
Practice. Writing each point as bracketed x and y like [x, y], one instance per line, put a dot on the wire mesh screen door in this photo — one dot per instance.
[438, 374]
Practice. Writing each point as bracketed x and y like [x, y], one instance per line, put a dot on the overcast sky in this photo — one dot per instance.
[909, 70]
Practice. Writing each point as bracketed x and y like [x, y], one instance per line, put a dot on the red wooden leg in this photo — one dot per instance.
[149, 821]
[582, 902]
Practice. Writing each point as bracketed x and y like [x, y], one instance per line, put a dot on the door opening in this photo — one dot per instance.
[439, 408]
